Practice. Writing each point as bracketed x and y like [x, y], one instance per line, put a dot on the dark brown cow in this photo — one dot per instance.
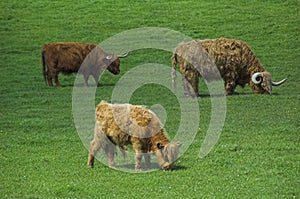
[72, 57]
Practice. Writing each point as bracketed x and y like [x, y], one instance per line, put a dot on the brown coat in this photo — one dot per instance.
[236, 63]
[72, 57]
[123, 124]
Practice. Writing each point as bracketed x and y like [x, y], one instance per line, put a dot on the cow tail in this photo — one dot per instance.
[44, 65]
[174, 63]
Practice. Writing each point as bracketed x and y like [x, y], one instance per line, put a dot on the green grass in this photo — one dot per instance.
[42, 156]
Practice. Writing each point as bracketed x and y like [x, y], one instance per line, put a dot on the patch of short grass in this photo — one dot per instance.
[42, 156]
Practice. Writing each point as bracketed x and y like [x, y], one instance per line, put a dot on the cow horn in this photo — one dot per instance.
[108, 56]
[279, 83]
[256, 78]
[124, 55]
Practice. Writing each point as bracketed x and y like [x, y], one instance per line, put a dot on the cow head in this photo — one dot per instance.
[170, 154]
[113, 62]
[262, 82]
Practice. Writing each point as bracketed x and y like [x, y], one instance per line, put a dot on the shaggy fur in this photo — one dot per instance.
[67, 57]
[194, 62]
[235, 61]
[124, 124]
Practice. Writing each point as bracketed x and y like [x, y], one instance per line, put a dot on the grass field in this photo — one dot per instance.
[42, 156]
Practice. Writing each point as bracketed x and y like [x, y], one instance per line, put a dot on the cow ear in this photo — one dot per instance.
[160, 146]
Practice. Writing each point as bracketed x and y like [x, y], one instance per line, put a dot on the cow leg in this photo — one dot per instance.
[98, 141]
[185, 84]
[138, 159]
[191, 84]
[138, 153]
[49, 79]
[110, 150]
[229, 83]
[86, 79]
[50, 73]
[96, 78]
[229, 86]
[194, 81]
[147, 160]
[56, 80]
[95, 145]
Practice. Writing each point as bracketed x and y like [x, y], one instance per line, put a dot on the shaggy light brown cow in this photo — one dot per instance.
[235, 61]
[124, 124]
[68, 57]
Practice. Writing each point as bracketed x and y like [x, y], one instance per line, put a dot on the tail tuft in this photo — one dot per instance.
[44, 65]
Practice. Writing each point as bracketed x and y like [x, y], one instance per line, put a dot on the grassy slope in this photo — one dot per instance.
[42, 155]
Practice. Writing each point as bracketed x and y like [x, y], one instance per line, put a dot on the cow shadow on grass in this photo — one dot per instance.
[154, 167]
[100, 85]
[90, 85]
[249, 94]
[233, 94]
[179, 167]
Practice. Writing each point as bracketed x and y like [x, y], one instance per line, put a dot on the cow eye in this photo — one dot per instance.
[160, 146]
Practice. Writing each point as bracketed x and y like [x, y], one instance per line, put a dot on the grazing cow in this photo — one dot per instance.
[235, 61]
[68, 57]
[124, 124]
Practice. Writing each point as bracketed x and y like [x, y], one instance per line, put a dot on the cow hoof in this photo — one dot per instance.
[166, 166]
[112, 167]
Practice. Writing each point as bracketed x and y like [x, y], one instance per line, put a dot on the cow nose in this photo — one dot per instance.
[167, 166]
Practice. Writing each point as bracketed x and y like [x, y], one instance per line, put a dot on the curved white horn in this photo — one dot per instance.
[279, 83]
[108, 57]
[256, 78]
[124, 55]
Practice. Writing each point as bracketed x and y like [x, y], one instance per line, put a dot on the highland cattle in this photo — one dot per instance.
[236, 62]
[72, 57]
[124, 124]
